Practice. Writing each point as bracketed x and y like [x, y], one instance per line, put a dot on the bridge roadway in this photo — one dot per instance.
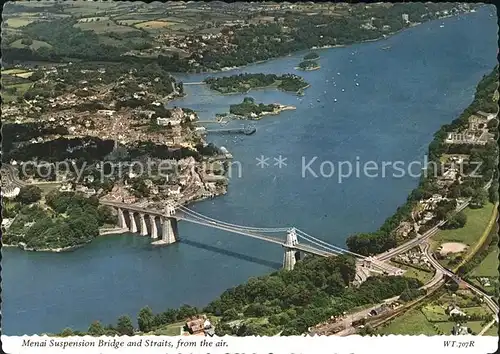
[182, 216]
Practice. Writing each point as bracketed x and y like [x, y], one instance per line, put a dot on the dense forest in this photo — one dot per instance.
[72, 220]
[248, 106]
[291, 301]
[384, 238]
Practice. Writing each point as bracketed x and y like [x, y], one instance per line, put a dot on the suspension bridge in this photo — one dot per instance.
[294, 240]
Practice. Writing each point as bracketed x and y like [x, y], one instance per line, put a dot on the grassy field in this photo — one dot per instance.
[154, 24]
[20, 90]
[493, 331]
[104, 26]
[13, 71]
[411, 272]
[128, 22]
[477, 219]
[173, 329]
[488, 267]
[434, 313]
[35, 45]
[412, 322]
[18, 22]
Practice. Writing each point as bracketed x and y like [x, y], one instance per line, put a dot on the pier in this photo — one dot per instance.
[248, 130]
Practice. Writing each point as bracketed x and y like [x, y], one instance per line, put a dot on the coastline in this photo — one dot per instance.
[330, 46]
[50, 250]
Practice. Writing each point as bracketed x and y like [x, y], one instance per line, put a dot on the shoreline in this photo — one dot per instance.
[49, 250]
[329, 46]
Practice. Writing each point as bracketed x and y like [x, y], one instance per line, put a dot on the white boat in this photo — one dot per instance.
[441, 26]
[343, 90]
[357, 83]
[338, 73]
[334, 100]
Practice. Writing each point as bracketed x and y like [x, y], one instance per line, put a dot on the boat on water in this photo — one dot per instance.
[318, 100]
[441, 26]
[386, 47]
[357, 83]
[334, 100]
[343, 90]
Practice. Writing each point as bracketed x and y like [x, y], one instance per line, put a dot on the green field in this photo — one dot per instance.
[19, 22]
[434, 313]
[20, 90]
[411, 272]
[35, 45]
[412, 322]
[104, 26]
[173, 329]
[477, 219]
[488, 267]
[493, 331]
[13, 71]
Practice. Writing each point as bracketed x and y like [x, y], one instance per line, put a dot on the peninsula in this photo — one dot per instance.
[243, 83]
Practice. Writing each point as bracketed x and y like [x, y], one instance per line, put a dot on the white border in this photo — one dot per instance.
[257, 345]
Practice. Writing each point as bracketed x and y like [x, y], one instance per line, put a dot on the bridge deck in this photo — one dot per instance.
[242, 231]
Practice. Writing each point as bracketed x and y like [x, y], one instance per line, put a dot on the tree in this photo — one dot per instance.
[124, 326]
[67, 332]
[27, 41]
[145, 319]
[96, 329]
[479, 199]
[37, 75]
[456, 221]
[29, 194]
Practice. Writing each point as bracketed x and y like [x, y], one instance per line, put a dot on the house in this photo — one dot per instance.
[487, 116]
[174, 190]
[196, 324]
[379, 310]
[457, 312]
[459, 330]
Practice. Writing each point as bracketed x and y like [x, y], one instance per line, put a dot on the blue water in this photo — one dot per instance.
[405, 94]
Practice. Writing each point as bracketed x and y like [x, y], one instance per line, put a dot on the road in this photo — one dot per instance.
[421, 238]
[487, 299]
[417, 240]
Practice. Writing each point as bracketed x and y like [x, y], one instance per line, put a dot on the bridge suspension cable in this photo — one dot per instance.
[248, 228]
[325, 244]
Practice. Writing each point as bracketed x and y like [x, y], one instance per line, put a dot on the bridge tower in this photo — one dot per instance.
[170, 209]
[169, 230]
[291, 253]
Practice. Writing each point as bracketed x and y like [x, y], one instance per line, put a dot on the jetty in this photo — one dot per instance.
[248, 130]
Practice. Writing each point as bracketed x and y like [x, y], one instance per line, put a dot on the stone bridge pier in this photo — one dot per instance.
[169, 230]
[292, 255]
[168, 222]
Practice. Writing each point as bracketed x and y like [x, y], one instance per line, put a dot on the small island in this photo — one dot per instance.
[308, 65]
[311, 56]
[243, 83]
[251, 110]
